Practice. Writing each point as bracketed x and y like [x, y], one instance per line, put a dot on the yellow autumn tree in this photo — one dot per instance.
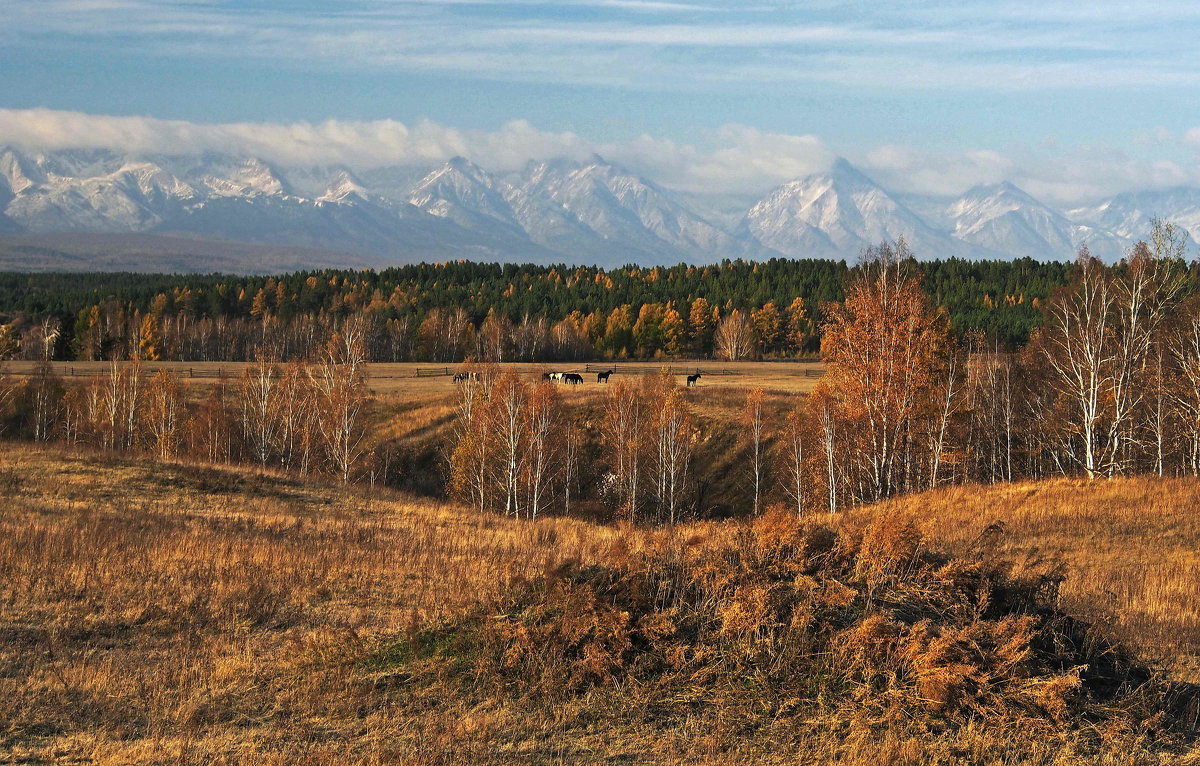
[879, 347]
[149, 339]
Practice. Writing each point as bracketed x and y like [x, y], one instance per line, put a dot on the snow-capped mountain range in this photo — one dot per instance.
[557, 211]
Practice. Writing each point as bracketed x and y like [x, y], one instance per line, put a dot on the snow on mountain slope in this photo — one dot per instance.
[1129, 215]
[465, 193]
[1006, 219]
[840, 213]
[629, 211]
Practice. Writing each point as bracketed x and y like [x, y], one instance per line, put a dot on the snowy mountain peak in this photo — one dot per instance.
[240, 178]
[840, 213]
[462, 191]
[13, 174]
[990, 200]
[344, 188]
[1005, 218]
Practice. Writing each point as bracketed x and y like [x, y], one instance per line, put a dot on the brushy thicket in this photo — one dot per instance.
[794, 637]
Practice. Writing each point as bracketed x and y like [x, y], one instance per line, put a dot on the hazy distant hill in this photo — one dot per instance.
[163, 254]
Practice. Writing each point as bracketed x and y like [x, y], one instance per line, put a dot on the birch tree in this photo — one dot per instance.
[543, 424]
[509, 399]
[753, 418]
[879, 347]
[259, 397]
[734, 339]
[340, 385]
[794, 437]
[948, 393]
[163, 404]
[622, 434]
[672, 436]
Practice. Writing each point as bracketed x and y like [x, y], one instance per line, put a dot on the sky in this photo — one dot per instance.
[1071, 101]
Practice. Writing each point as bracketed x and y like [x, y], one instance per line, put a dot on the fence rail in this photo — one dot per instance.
[674, 370]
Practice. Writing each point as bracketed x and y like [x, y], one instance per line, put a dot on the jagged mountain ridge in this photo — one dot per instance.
[843, 211]
[590, 211]
[1004, 218]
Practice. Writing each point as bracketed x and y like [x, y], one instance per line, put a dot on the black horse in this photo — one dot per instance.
[572, 378]
[602, 377]
[693, 379]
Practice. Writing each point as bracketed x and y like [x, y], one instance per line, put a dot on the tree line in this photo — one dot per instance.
[455, 311]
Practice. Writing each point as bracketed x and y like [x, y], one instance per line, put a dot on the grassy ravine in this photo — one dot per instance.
[155, 614]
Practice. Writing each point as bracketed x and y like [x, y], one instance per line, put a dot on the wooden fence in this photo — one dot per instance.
[432, 372]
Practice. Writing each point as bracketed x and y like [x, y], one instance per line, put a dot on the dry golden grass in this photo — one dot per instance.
[1128, 548]
[151, 613]
[167, 613]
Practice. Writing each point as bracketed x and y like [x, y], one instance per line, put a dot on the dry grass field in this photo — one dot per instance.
[401, 379]
[161, 613]
[155, 613]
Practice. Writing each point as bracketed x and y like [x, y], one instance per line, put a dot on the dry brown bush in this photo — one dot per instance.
[810, 638]
[1127, 551]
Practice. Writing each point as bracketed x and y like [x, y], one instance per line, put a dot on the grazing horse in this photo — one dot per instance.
[552, 375]
[572, 378]
[602, 377]
[459, 377]
[692, 380]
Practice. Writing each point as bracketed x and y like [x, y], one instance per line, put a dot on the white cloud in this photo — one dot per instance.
[1056, 176]
[735, 159]
[358, 144]
[937, 173]
[745, 159]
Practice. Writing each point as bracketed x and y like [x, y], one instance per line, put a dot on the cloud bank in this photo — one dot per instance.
[736, 159]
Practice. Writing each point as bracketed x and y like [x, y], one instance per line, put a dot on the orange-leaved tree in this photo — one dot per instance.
[879, 348]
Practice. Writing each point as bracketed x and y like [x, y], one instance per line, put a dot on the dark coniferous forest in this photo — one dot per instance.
[458, 310]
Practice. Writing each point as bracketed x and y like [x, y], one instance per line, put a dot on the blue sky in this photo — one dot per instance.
[1070, 100]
